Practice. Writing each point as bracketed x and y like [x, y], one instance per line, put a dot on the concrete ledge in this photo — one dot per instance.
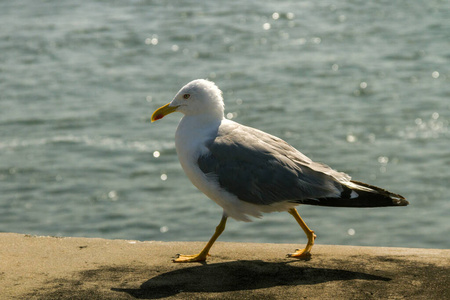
[84, 268]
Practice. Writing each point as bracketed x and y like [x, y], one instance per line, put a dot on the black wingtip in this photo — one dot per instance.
[368, 196]
[394, 199]
[399, 201]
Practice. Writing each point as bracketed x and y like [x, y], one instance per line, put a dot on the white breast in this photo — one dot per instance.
[190, 140]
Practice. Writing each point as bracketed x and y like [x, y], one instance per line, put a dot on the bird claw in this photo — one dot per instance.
[189, 258]
[300, 254]
[304, 254]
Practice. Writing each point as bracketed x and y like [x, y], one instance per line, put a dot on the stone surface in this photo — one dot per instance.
[84, 268]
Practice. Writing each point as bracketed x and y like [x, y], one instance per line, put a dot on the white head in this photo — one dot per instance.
[195, 98]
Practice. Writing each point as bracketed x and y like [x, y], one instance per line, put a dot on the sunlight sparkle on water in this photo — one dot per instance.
[231, 115]
[112, 195]
[317, 40]
[151, 41]
[351, 138]
[383, 159]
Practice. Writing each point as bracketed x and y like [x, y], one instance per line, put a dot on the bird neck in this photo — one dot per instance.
[192, 134]
[200, 122]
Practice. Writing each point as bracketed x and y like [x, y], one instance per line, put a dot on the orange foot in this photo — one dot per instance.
[305, 254]
[190, 258]
[301, 254]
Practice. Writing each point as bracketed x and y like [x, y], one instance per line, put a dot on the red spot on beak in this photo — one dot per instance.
[159, 117]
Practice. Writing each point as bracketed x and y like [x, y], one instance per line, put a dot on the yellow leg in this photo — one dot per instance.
[204, 253]
[304, 253]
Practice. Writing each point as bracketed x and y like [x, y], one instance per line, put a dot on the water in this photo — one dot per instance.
[363, 87]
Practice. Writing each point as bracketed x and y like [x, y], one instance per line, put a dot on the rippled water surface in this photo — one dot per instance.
[362, 86]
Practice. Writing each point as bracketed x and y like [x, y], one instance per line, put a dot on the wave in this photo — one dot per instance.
[96, 142]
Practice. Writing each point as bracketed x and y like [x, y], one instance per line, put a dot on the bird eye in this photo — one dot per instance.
[186, 96]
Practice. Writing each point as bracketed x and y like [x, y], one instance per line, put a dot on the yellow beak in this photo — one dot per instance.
[163, 111]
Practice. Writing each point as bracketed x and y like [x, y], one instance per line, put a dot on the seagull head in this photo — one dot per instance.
[198, 97]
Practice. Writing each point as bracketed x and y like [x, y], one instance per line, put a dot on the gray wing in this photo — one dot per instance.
[262, 169]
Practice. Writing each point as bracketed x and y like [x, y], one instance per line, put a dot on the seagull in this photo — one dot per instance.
[249, 172]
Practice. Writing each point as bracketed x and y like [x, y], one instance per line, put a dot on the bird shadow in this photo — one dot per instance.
[238, 276]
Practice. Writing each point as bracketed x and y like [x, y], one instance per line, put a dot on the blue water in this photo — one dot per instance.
[361, 86]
